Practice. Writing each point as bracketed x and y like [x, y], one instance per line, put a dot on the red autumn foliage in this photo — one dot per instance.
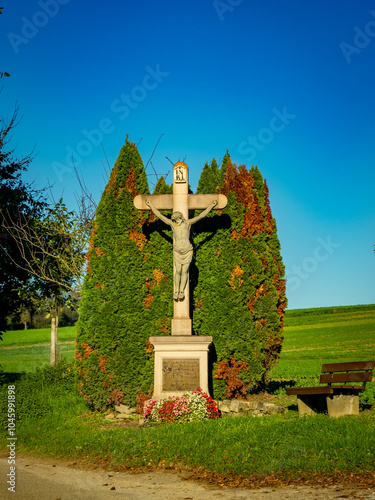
[141, 398]
[116, 397]
[88, 350]
[270, 224]
[229, 371]
[241, 183]
[102, 362]
[130, 182]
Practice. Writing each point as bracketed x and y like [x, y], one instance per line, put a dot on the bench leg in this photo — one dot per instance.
[342, 404]
[310, 405]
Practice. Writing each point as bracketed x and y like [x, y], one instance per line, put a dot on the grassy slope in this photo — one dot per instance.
[40, 336]
[317, 336]
[279, 446]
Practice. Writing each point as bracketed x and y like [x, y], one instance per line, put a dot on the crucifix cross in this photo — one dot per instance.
[181, 202]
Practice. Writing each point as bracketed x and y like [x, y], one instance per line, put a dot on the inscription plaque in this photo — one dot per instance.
[180, 374]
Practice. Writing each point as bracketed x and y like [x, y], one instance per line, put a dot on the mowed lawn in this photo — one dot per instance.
[325, 335]
[27, 350]
[312, 337]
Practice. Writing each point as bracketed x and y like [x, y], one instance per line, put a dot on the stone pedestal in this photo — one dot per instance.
[181, 364]
[342, 404]
[181, 326]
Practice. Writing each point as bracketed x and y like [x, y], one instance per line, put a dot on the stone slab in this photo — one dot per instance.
[181, 326]
[342, 404]
[180, 374]
[180, 363]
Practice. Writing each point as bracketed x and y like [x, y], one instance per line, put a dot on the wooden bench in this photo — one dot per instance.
[339, 396]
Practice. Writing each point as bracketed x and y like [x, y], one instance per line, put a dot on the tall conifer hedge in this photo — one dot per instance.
[236, 280]
[239, 297]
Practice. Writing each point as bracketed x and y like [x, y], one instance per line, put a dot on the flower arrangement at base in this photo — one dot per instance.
[191, 406]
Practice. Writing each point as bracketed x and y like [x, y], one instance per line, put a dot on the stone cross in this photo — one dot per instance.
[180, 202]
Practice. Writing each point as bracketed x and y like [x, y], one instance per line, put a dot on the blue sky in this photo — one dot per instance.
[285, 85]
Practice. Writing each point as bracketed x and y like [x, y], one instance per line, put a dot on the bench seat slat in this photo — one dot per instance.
[309, 390]
[336, 378]
[351, 366]
[351, 388]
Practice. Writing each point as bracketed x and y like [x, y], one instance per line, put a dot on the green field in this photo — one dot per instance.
[27, 350]
[326, 335]
[312, 337]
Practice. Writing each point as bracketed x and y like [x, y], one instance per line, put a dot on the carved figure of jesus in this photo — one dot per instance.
[182, 247]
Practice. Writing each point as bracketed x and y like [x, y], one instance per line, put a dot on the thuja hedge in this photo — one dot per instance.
[237, 285]
[239, 297]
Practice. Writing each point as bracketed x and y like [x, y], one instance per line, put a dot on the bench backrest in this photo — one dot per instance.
[344, 373]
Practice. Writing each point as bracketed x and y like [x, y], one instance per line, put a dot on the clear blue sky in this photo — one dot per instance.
[286, 85]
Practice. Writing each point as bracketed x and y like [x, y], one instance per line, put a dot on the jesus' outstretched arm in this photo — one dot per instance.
[157, 213]
[203, 214]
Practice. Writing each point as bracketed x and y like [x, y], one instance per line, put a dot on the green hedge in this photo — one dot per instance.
[238, 289]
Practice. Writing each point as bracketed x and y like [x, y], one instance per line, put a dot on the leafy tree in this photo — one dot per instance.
[43, 249]
[52, 250]
[112, 351]
[25, 317]
[210, 179]
[17, 199]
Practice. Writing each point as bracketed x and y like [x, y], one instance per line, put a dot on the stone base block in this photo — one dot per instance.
[181, 326]
[181, 364]
[342, 404]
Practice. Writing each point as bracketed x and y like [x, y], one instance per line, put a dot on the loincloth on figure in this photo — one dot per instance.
[183, 256]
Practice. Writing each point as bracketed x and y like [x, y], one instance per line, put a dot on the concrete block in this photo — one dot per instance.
[342, 404]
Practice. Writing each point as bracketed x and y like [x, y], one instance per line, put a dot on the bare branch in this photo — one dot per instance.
[52, 249]
[156, 145]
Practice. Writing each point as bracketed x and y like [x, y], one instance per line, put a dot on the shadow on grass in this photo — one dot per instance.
[11, 377]
[274, 386]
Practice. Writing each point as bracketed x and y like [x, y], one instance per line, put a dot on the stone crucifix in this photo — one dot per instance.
[180, 202]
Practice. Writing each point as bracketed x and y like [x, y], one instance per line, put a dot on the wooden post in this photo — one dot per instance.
[54, 325]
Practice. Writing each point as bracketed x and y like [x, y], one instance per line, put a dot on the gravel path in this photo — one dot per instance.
[50, 479]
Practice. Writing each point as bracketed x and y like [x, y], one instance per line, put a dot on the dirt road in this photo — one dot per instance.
[50, 479]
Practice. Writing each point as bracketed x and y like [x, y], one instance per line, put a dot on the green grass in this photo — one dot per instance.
[54, 420]
[38, 336]
[327, 335]
[58, 425]
[21, 352]
[29, 359]
[241, 446]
